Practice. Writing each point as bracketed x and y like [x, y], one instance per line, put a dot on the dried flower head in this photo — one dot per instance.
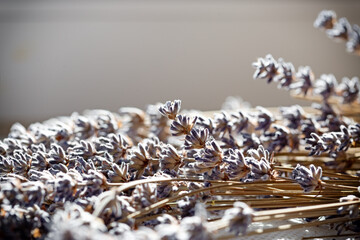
[223, 124]
[353, 43]
[6, 165]
[170, 109]
[119, 173]
[305, 83]
[139, 159]
[277, 139]
[309, 179]
[261, 164]
[294, 115]
[240, 121]
[144, 195]
[194, 228]
[349, 89]
[260, 170]
[239, 218]
[340, 30]
[352, 209]
[266, 68]
[170, 158]
[265, 118]
[287, 74]
[196, 139]
[84, 127]
[158, 122]
[237, 166]
[250, 141]
[114, 144]
[182, 125]
[325, 19]
[354, 131]
[208, 158]
[325, 86]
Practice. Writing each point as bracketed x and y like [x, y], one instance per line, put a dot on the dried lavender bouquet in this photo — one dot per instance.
[164, 173]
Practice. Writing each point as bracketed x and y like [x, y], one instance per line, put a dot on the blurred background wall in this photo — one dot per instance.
[57, 57]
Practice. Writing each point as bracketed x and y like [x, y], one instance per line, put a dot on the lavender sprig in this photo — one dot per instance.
[333, 142]
[339, 29]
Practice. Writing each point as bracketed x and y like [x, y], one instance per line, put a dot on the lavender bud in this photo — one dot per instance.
[265, 118]
[182, 125]
[139, 159]
[352, 209]
[348, 89]
[119, 173]
[309, 179]
[287, 74]
[325, 19]
[39, 161]
[278, 139]
[144, 195]
[34, 193]
[6, 165]
[170, 109]
[237, 166]
[223, 123]
[325, 86]
[193, 228]
[170, 159]
[240, 121]
[196, 139]
[266, 68]
[57, 154]
[293, 114]
[239, 218]
[353, 43]
[340, 30]
[306, 78]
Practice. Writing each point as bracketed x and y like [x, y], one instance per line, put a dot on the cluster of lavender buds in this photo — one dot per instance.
[326, 132]
[70, 164]
[303, 81]
[163, 173]
[333, 142]
[284, 73]
[339, 29]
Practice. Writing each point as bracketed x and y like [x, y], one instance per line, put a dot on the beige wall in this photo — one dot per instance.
[60, 57]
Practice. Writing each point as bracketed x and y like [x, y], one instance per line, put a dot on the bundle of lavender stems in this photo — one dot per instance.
[167, 173]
